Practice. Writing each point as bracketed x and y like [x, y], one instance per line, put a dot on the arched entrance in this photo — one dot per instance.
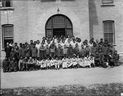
[58, 25]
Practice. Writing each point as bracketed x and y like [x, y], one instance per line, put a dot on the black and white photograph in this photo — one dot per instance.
[61, 47]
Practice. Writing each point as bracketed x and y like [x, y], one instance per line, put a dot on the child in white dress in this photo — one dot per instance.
[64, 63]
[56, 63]
[74, 62]
[81, 62]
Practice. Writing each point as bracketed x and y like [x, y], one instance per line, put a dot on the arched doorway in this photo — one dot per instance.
[58, 25]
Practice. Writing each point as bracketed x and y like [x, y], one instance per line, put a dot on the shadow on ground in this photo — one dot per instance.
[113, 89]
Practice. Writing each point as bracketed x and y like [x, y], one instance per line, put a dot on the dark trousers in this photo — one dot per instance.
[42, 54]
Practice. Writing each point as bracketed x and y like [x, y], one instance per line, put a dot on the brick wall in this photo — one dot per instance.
[99, 13]
[29, 18]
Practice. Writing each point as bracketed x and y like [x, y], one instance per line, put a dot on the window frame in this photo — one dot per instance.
[51, 28]
[104, 4]
[4, 3]
[44, 1]
[6, 37]
[67, 0]
[113, 28]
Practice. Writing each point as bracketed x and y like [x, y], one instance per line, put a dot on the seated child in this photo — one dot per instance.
[69, 62]
[51, 63]
[30, 63]
[25, 62]
[74, 62]
[13, 65]
[40, 63]
[48, 63]
[56, 63]
[43, 65]
[81, 62]
[86, 62]
[92, 61]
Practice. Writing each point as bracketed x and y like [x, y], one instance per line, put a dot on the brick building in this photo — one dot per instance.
[23, 20]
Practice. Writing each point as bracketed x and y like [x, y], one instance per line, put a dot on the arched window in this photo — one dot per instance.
[109, 31]
[58, 25]
[7, 33]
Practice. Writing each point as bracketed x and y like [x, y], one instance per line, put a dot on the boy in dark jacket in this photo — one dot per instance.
[6, 65]
[7, 50]
[34, 51]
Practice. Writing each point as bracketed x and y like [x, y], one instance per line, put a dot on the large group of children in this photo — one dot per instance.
[56, 53]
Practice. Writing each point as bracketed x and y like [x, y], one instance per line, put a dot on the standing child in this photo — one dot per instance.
[97, 59]
[6, 65]
[70, 51]
[56, 63]
[20, 64]
[34, 51]
[52, 50]
[65, 51]
[7, 50]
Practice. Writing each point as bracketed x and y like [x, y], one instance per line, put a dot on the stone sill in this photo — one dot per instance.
[6, 8]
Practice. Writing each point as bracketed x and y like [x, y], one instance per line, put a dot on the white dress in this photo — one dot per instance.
[73, 44]
[88, 63]
[38, 47]
[64, 63]
[74, 63]
[79, 46]
[81, 62]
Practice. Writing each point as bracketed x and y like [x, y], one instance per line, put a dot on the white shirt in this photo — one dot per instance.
[79, 45]
[38, 46]
[55, 41]
[62, 45]
[73, 44]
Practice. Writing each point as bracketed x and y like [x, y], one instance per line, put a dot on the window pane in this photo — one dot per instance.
[6, 3]
[69, 32]
[108, 26]
[0, 3]
[109, 37]
[49, 33]
[68, 23]
[49, 24]
[58, 22]
[3, 3]
[7, 40]
[7, 30]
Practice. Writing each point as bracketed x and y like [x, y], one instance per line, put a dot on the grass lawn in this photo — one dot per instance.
[113, 89]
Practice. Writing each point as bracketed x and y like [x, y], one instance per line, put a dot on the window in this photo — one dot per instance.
[107, 2]
[55, 0]
[7, 33]
[67, 0]
[0, 3]
[109, 31]
[6, 3]
[59, 25]
[48, 0]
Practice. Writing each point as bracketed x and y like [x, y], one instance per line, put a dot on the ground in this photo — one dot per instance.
[71, 80]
